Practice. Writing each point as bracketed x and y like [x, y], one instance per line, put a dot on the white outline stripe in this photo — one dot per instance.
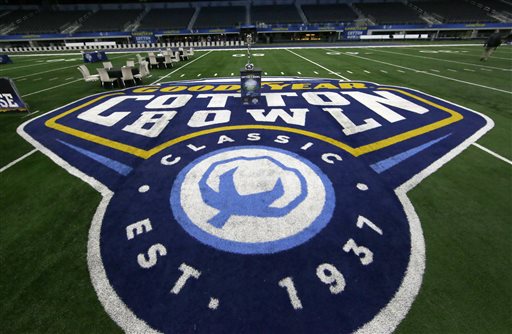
[494, 154]
[12, 163]
[427, 73]
[179, 68]
[323, 67]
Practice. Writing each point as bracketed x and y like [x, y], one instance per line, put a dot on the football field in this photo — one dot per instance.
[465, 207]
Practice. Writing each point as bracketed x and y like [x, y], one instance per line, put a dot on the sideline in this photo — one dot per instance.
[53, 87]
[450, 61]
[427, 73]
[494, 154]
[12, 163]
[57, 69]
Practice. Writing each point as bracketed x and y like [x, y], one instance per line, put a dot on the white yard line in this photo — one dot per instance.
[57, 69]
[12, 163]
[282, 73]
[179, 68]
[400, 71]
[365, 71]
[452, 70]
[383, 71]
[31, 113]
[494, 154]
[321, 66]
[427, 73]
[70, 78]
[50, 88]
[55, 78]
[181, 76]
[469, 70]
[350, 72]
[434, 70]
[441, 59]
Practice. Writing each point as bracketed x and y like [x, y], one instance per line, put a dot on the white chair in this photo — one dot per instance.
[153, 61]
[168, 61]
[191, 52]
[107, 65]
[139, 58]
[130, 63]
[87, 76]
[176, 56]
[145, 72]
[127, 75]
[104, 77]
[151, 54]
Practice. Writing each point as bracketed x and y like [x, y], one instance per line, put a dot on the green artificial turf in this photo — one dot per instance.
[465, 208]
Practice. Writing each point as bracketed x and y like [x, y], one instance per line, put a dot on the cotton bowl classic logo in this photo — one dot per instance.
[288, 217]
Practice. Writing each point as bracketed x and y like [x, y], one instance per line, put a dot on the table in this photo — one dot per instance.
[115, 72]
[159, 59]
[93, 57]
[4, 59]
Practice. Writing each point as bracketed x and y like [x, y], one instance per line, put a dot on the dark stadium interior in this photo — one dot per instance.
[277, 20]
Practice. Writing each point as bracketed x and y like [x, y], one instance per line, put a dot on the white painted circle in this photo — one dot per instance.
[255, 172]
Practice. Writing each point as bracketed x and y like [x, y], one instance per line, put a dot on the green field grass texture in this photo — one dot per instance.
[465, 208]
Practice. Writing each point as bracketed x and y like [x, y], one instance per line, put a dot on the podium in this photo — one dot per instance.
[250, 83]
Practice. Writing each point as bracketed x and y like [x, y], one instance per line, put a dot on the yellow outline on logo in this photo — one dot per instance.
[357, 151]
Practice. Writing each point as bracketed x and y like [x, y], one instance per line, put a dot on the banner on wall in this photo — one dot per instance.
[143, 37]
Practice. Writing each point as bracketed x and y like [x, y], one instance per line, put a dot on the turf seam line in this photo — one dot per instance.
[494, 154]
[427, 73]
[321, 66]
[179, 68]
[12, 163]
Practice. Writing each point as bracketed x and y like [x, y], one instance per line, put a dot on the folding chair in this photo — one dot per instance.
[87, 76]
[152, 61]
[104, 77]
[168, 61]
[130, 63]
[107, 65]
[127, 75]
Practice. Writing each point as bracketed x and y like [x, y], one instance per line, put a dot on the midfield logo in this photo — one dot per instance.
[288, 217]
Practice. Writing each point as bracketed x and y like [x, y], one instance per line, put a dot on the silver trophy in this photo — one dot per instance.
[249, 65]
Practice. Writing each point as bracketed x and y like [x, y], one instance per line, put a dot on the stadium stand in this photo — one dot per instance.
[329, 13]
[495, 5]
[48, 22]
[13, 16]
[456, 11]
[109, 20]
[220, 17]
[177, 18]
[275, 14]
[389, 13]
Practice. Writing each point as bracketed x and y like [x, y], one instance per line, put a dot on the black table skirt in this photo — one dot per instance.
[159, 59]
[116, 72]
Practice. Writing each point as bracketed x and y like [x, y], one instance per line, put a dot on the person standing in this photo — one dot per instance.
[490, 45]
